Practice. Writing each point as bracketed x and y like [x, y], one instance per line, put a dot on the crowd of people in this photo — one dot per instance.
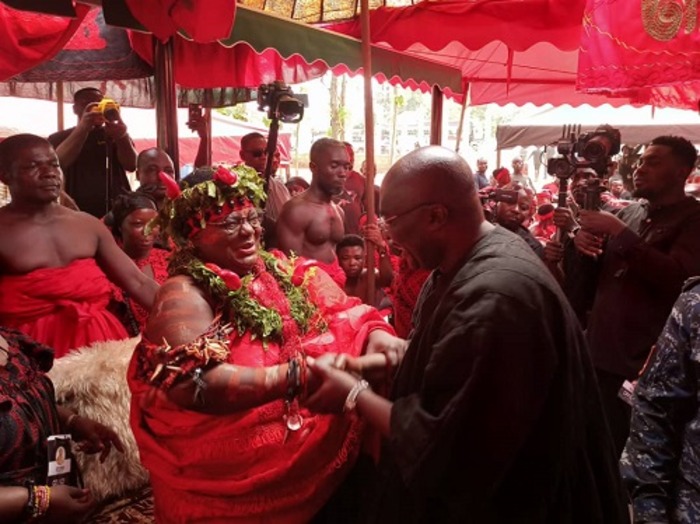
[519, 361]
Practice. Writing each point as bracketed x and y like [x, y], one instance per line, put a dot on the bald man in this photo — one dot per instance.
[494, 415]
[149, 164]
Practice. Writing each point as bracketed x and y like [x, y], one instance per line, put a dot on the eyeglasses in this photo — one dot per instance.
[385, 221]
[232, 224]
[256, 153]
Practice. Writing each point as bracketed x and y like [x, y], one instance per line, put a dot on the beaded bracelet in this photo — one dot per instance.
[31, 501]
[43, 499]
[38, 502]
[293, 379]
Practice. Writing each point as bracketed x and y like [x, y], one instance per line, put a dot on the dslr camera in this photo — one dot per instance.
[281, 103]
[108, 108]
[590, 150]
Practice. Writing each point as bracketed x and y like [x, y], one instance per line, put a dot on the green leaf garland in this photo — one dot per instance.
[243, 311]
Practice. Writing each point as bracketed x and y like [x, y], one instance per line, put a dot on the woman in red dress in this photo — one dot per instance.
[131, 214]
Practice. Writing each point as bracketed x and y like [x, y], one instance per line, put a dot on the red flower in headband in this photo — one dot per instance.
[172, 190]
[231, 279]
[225, 176]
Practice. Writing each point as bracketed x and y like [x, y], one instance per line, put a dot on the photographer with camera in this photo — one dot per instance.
[512, 216]
[643, 255]
[95, 154]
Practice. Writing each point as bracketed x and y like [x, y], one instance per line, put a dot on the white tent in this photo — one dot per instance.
[637, 125]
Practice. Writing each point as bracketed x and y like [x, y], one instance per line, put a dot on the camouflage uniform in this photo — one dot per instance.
[661, 462]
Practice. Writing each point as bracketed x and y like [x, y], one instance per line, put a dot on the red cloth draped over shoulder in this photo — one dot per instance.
[244, 467]
[334, 271]
[63, 308]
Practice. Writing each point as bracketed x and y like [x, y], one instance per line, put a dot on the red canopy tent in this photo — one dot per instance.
[648, 51]
[507, 51]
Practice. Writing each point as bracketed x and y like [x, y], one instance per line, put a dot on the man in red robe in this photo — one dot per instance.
[53, 260]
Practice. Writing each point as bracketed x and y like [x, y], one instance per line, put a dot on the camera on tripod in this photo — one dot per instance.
[590, 150]
[281, 103]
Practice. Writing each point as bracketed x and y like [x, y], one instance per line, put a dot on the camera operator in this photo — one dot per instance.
[254, 154]
[95, 154]
[512, 216]
[643, 255]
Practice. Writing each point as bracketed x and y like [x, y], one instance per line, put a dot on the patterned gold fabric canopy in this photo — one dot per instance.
[320, 11]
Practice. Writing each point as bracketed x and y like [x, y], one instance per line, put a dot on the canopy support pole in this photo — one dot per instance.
[369, 142]
[436, 117]
[208, 98]
[166, 100]
[60, 100]
[460, 128]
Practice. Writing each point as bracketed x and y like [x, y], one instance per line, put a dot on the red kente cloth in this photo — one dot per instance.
[334, 271]
[63, 307]
[238, 468]
[405, 289]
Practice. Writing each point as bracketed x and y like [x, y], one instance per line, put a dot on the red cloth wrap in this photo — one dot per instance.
[238, 467]
[334, 271]
[63, 307]
[405, 288]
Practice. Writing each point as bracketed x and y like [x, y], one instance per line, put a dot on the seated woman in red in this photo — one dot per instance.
[130, 215]
[217, 378]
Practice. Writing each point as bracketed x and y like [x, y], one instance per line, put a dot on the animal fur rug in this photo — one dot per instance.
[92, 382]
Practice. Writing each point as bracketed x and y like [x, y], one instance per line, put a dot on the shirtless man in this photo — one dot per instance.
[52, 258]
[311, 224]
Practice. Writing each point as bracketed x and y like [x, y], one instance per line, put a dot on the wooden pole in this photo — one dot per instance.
[208, 100]
[60, 100]
[460, 128]
[166, 100]
[369, 142]
[436, 117]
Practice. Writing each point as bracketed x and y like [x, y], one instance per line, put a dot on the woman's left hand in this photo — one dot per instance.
[332, 391]
[94, 437]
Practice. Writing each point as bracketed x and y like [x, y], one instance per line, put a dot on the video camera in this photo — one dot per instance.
[592, 150]
[281, 103]
[490, 196]
[508, 196]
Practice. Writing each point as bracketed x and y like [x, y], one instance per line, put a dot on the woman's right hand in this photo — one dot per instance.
[68, 504]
